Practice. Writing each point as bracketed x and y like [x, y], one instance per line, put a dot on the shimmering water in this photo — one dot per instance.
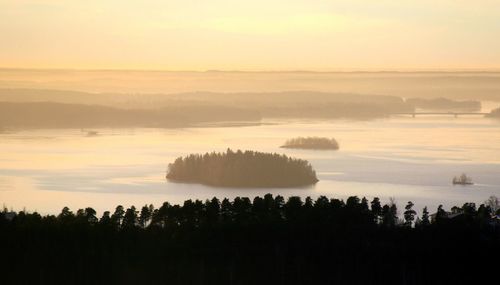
[405, 158]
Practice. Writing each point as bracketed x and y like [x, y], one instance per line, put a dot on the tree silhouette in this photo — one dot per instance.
[293, 208]
[145, 215]
[90, 215]
[105, 219]
[409, 214]
[117, 217]
[130, 218]
[425, 217]
[389, 215]
[494, 203]
[440, 214]
[66, 215]
[226, 210]
[212, 209]
[376, 209]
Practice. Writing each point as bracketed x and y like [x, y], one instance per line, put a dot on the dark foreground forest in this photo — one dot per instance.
[264, 241]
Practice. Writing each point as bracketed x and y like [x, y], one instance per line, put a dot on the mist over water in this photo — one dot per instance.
[401, 157]
[132, 85]
[261, 142]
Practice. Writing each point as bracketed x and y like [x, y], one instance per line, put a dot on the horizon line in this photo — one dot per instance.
[341, 70]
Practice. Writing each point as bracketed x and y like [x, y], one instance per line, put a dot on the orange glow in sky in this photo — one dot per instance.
[250, 34]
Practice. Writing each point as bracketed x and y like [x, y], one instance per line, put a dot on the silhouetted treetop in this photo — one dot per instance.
[242, 169]
[311, 143]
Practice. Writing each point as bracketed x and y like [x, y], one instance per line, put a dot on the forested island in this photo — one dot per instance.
[267, 240]
[242, 169]
[312, 143]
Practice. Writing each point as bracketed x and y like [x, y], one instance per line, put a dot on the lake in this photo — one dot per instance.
[401, 157]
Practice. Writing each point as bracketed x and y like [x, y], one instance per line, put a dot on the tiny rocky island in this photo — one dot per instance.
[312, 143]
[249, 169]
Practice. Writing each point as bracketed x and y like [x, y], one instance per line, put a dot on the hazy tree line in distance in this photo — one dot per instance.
[62, 115]
[311, 143]
[269, 240]
[242, 169]
[444, 104]
[35, 108]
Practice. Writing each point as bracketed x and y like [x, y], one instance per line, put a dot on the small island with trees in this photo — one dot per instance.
[246, 169]
[318, 143]
[463, 179]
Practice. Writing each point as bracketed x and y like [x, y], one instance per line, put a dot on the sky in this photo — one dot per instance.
[315, 35]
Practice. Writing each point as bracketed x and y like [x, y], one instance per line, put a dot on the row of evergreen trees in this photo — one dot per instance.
[267, 240]
[262, 210]
[242, 169]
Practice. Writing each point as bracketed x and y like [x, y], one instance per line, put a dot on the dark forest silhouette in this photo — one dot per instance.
[242, 169]
[311, 143]
[269, 240]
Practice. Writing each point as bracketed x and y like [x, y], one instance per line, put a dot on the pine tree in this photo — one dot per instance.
[409, 214]
[145, 215]
[376, 209]
[425, 217]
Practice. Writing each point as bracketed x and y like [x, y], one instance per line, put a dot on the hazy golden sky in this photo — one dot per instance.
[250, 34]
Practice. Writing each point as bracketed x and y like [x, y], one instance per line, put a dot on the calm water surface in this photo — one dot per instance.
[404, 158]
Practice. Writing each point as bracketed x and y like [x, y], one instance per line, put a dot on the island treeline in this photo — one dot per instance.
[312, 143]
[242, 169]
[269, 240]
